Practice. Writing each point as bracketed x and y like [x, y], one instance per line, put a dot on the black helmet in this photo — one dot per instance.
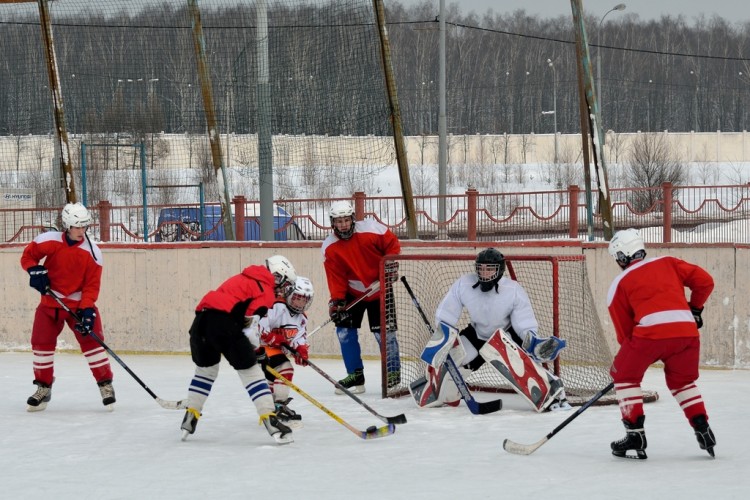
[489, 260]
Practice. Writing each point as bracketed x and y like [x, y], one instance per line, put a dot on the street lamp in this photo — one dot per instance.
[695, 102]
[554, 102]
[619, 6]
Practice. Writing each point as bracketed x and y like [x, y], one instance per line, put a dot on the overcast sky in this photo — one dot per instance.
[732, 10]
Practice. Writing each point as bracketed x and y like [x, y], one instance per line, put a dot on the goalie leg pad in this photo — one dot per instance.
[541, 349]
[438, 347]
[436, 389]
[530, 380]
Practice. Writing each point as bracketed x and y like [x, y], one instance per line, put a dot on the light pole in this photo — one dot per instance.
[554, 102]
[695, 102]
[619, 6]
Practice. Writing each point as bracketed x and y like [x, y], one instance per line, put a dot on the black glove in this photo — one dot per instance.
[88, 318]
[337, 310]
[697, 311]
[39, 279]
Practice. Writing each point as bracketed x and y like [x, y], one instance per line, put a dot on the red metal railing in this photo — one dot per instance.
[692, 213]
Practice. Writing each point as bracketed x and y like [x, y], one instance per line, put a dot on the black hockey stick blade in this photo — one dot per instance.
[475, 407]
[528, 449]
[167, 405]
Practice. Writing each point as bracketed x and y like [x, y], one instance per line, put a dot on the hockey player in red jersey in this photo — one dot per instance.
[69, 265]
[351, 254]
[226, 319]
[655, 322]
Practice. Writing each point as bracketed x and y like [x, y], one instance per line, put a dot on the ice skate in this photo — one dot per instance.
[108, 394]
[38, 401]
[287, 416]
[355, 382]
[634, 440]
[704, 434]
[189, 422]
[278, 431]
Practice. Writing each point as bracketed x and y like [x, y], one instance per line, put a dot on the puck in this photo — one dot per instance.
[372, 429]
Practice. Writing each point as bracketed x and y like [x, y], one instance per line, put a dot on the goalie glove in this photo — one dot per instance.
[252, 330]
[542, 350]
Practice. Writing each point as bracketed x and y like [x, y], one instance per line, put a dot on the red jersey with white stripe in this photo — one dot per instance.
[74, 270]
[648, 298]
[253, 287]
[352, 265]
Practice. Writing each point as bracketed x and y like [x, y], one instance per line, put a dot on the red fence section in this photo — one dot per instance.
[697, 214]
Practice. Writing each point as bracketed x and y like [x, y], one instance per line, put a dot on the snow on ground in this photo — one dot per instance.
[76, 449]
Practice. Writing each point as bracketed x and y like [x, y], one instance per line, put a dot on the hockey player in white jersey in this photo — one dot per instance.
[286, 325]
[493, 302]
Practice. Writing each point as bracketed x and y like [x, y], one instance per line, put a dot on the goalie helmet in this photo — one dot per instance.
[301, 297]
[75, 215]
[342, 209]
[283, 273]
[627, 246]
[489, 266]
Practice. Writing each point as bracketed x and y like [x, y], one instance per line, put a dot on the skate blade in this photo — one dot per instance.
[110, 407]
[639, 455]
[293, 424]
[286, 439]
[355, 389]
[185, 435]
[711, 452]
[39, 407]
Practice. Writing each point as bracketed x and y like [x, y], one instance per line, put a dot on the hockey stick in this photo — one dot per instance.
[372, 432]
[528, 449]
[398, 419]
[375, 287]
[167, 405]
[476, 407]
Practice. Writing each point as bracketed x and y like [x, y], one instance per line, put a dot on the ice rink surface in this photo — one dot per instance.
[76, 449]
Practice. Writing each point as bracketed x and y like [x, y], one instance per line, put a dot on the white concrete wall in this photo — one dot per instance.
[150, 292]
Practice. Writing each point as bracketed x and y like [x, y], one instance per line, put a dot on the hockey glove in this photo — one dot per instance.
[301, 354]
[252, 329]
[38, 279]
[541, 349]
[697, 315]
[88, 318]
[274, 338]
[337, 310]
[391, 272]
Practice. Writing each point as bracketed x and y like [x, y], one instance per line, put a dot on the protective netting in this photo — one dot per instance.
[135, 109]
[563, 304]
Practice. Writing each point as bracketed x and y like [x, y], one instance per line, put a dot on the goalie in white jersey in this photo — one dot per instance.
[285, 324]
[493, 302]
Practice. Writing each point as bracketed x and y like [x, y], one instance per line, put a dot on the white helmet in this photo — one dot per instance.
[626, 246]
[342, 209]
[75, 215]
[283, 273]
[303, 290]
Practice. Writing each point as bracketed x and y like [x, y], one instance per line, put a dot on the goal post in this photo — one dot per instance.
[563, 303]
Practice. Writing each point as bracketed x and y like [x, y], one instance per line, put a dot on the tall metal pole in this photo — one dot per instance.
[619, 6]
[442, 128]
[265, 146]
[554, 102]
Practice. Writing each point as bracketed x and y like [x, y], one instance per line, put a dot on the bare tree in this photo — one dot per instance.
[651, 163]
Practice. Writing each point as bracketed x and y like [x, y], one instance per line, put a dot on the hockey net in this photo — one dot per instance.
[560, 294]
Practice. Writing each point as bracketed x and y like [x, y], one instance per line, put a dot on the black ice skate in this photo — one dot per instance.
[704, 434]
[280, 432]
[288, 416]
[108, 394]
[634, 440]
[190, 422]
[355, 382]
[38, 401]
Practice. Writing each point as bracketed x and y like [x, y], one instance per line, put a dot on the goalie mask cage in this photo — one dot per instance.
[559, 290]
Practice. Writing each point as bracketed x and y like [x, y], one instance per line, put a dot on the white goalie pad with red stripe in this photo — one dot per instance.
[528, 378]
